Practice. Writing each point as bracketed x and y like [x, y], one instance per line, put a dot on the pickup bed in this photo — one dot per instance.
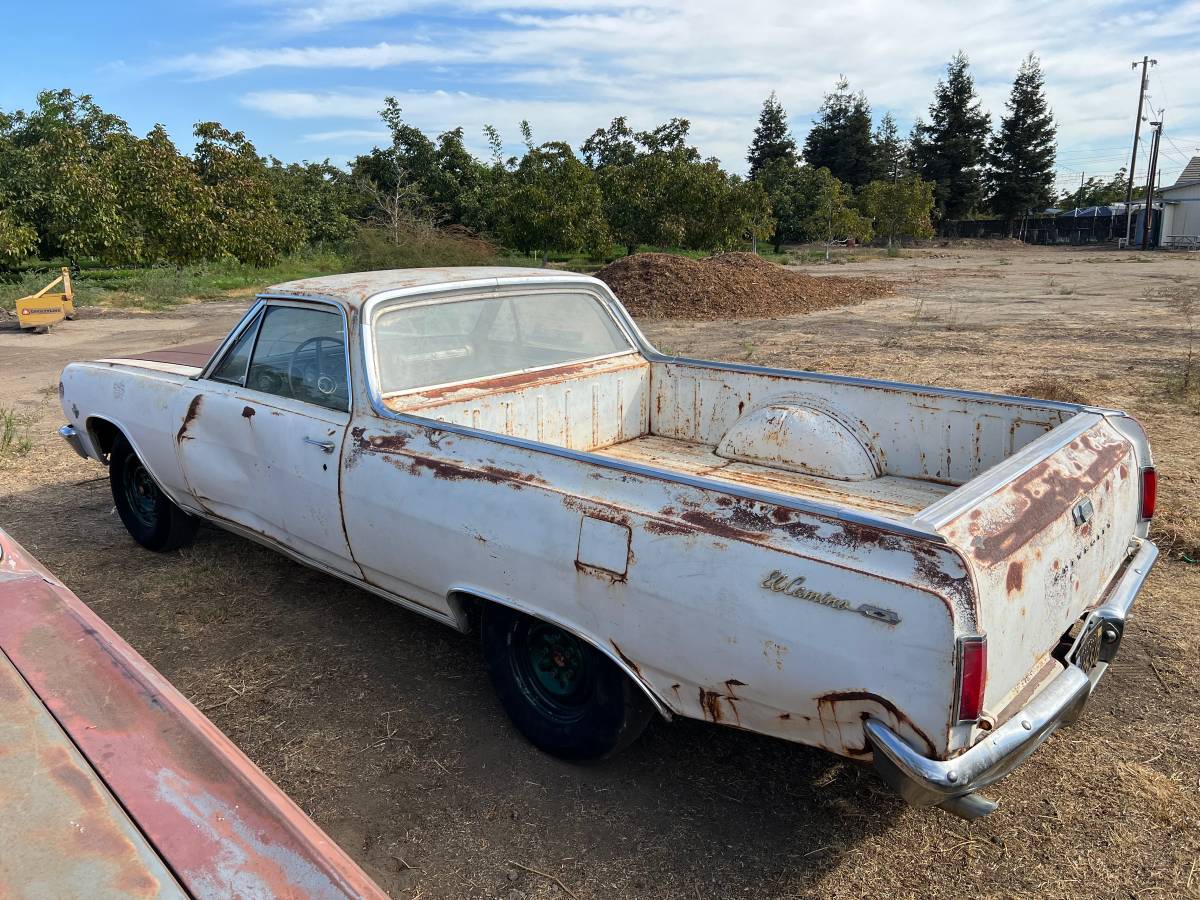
[932, 580]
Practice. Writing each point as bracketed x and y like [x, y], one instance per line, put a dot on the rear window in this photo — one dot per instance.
[468, 340]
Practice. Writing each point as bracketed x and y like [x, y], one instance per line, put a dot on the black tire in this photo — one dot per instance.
[577, 705]
[148, 514]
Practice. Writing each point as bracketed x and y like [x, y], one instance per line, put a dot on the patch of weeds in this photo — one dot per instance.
[1184, 382]
[1066, 291]
[747, 350]
[1052, 387]
[14, 433]
[1004, 262]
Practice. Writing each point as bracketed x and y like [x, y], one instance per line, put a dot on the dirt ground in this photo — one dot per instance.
[383, 727]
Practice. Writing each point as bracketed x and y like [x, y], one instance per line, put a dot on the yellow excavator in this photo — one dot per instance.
[39, 311]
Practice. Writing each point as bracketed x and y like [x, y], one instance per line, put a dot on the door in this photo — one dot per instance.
[260, 437]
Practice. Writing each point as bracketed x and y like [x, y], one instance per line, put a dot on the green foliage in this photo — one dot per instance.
[169, 214]
[891, 151]
[950, 149]
[319, 198]
[834, 216]
[250, 225]
[1021, 154]
[899, 208]
[554, 202]
[1095, 192]
[840, 139]
[772, 139]
[14, 433]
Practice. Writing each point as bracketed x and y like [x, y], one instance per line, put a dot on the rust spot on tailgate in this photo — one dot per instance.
[193, 410]
[1041, 496]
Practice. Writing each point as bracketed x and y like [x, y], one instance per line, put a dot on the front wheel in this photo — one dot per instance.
[564, 695]
[147, 513]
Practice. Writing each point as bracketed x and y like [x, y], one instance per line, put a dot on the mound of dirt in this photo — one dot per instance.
[728, 285]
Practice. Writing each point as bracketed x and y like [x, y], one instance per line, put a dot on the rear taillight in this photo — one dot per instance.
[972, 677]
[1149, 492]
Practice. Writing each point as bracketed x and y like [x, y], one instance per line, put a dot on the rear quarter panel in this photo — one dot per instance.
[685, 600]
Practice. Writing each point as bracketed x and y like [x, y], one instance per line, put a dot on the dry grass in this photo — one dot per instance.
[1052, 387]
[383, 727]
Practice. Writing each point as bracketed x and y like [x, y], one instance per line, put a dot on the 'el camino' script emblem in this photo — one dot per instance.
[794, 587]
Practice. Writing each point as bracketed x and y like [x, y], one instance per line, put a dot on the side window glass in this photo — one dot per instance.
[301, 354]
[234, 366]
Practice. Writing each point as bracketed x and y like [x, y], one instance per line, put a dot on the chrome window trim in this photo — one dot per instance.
[267, 300]
[217, 358]
[465, 294]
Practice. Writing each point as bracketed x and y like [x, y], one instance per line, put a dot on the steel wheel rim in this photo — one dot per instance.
[553, 669]
[141, 493]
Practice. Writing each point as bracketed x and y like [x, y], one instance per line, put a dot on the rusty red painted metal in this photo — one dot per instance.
[218, 822]
[196, 355]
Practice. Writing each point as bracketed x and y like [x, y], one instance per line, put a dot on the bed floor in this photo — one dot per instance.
[890, 495]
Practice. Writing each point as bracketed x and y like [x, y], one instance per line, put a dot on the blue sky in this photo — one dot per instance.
[305, 78]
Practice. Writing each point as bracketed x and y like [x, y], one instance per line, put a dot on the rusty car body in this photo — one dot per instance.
[929, 579]
[113, 785]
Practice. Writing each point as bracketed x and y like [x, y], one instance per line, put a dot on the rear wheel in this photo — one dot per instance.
[564, 695]
[148, 514]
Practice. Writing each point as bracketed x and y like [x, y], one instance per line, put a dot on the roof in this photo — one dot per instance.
[1190, 173]
[357, 287]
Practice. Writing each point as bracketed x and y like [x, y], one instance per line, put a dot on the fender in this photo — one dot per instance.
[458, 594]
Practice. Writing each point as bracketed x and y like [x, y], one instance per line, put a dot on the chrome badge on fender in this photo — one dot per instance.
[794, 587]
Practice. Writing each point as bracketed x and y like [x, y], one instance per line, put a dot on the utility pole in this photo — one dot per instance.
[1137, 130]
[1150, 180]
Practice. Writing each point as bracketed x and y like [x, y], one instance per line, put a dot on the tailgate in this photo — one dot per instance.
[1045, 544]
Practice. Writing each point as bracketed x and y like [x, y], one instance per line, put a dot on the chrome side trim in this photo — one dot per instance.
[931, 782]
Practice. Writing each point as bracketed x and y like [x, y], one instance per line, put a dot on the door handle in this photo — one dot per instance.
[327, 446]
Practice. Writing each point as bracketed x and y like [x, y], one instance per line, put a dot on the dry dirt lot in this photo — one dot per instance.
[383, 727]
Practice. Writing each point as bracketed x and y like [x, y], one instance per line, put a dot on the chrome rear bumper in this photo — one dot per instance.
[71, 436]
[952, 783]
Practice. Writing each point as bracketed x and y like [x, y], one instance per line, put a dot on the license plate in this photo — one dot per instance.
[1087, 653]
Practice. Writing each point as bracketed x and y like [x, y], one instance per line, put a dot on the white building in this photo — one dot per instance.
[1181, 209]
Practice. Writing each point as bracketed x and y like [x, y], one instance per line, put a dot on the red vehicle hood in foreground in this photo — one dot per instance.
[113, 784]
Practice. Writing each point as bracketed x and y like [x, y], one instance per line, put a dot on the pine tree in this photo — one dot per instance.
[772, 138]
[840, 139]
[950, 149]
[1021, 153]
[891, 151]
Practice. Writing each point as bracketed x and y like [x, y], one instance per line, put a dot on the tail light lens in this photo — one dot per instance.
[1149, 491]
[972, 677]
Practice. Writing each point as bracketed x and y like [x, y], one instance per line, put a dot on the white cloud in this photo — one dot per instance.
[577, 63]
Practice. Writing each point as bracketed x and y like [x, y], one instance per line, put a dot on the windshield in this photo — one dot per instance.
[468, 340]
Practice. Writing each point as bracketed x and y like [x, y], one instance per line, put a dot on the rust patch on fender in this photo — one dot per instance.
[1015, 577]
[833, 698]
[193, 410]
[247, 412]
[710, 705]
[629, 662]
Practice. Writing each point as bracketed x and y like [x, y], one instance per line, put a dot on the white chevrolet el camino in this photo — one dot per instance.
[931, 580]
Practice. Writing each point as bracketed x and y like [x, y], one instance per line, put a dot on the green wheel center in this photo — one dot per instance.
[556, 661]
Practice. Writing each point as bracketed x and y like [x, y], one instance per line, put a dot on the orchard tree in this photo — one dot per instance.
[899, 209]
[792, 192]
[840, 139]
[833, 216]
[1021, 154]
[251, 227]
[318, 198]
[949, 150]
[1097, 192]
[772, 137]
[554, 203]
[168, 210]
